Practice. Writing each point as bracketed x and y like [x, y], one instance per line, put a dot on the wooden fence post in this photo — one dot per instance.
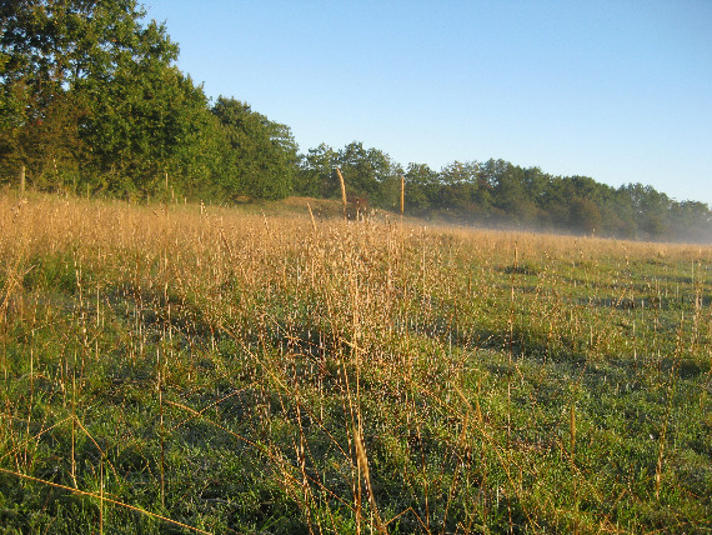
[22, 179]
[402, 199]
[343, 190]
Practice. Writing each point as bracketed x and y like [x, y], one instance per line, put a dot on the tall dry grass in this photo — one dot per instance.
[392, 377]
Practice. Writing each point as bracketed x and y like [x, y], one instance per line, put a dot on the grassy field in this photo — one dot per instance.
[178, 369]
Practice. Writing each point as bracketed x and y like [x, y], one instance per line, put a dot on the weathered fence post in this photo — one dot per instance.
[343, 190]
[402, 199]
[22, 179]
[311, 215]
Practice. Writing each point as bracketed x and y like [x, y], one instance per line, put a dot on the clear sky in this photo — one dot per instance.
[617, 90]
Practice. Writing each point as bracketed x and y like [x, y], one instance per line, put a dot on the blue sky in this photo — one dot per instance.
[619, 91]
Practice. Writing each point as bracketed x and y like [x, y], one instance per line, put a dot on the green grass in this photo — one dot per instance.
[222, 370]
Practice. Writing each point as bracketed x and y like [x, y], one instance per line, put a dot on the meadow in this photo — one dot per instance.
[198, 369]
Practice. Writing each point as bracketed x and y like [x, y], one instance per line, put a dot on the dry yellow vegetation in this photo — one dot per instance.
[236, 371]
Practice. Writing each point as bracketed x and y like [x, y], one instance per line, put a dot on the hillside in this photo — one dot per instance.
[178, 368]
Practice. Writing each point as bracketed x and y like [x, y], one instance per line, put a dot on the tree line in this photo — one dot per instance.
[499, 193]
[93, 103]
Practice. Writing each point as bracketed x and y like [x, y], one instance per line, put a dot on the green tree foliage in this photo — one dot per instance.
[152, 121]
[370, 173]
[652, 209]
[462, 189]
[263, 157]
[691, 220]
[91, 100]
[421, 182]
[316, 176]
[59, 59]
[584, 215]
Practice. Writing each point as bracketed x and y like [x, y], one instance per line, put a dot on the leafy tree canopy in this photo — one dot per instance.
[263, 156]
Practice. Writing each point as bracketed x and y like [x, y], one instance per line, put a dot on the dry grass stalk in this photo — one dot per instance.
[104, 499]
[161, 428]
[572, 432]
[572, 451]
[362, 461]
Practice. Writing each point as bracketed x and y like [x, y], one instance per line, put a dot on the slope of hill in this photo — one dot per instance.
[187, 369]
